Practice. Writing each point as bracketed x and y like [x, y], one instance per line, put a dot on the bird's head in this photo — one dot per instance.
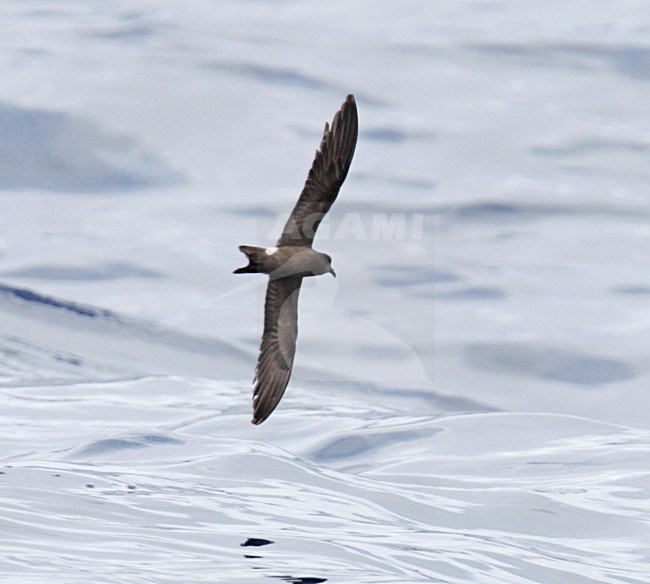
[329, 265]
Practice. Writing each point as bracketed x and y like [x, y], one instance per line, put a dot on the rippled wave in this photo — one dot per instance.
[360, 496]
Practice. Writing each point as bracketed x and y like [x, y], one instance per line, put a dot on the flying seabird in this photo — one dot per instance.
[293, 259]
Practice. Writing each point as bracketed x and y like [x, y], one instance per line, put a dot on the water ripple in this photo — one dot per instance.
[399, 499]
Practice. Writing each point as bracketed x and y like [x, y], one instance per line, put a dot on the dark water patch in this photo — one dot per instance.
[422, 184]
[343, 447]
[534, 54]
[125, 33]
[301, 579]
[252, 341]
[491, 210]
[110, 271]
[108, 446]
[640, 290]
[128, 27]
[393, 135]
[547, 363]
[424, 283]
[629, 60]
[470, 293]
[273, 75]
[395, 276]
[114, 445]
[387, 134]
[55, 151]
[289, 77]
[595, 145]
[256, 542]
[159, 439]
[258, 211]
[412, 183]
[80, 309]
[439, 402]
[75, 361]
[383, 352]
[352, 445]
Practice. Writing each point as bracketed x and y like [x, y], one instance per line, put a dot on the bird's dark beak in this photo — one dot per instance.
[332, 272]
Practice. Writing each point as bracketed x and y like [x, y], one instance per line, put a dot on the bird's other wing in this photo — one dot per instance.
[278, 345]
[327, 173]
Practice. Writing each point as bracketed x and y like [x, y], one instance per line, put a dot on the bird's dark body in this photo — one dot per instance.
[285, 261]
[294, 259]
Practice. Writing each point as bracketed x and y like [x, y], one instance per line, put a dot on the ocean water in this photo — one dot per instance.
[470, 401]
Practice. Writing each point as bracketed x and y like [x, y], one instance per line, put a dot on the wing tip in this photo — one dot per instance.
[349, 112]
[350, 102]
[260, 414]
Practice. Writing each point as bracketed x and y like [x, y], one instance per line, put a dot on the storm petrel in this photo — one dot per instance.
[293, 259]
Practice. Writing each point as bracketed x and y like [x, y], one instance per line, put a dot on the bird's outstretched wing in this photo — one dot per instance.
[327, 173]
[278, 345]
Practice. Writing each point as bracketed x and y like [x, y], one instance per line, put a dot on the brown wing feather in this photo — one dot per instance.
[278, 346]
[327, 173]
